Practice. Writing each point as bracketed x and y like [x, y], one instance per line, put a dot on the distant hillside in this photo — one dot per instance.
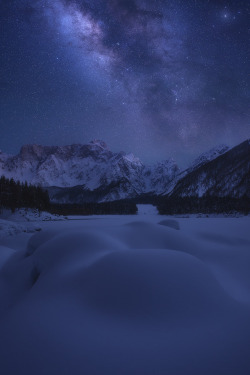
[226, 175]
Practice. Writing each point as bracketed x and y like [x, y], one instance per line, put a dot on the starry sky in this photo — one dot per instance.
[159, 78]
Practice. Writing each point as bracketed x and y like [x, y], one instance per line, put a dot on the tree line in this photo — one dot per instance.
[206, 205]
[16, 194]
[122, 207]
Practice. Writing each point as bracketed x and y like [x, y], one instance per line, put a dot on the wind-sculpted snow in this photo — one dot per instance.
[125, 299]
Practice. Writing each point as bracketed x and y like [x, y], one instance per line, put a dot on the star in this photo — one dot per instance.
[226, 16]
[113, 66]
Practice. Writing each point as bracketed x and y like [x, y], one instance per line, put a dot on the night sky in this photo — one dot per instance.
[158, 78]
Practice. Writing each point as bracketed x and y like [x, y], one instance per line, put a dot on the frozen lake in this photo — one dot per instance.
[144, 294]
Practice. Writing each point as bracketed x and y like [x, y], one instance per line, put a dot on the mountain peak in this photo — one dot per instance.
[132, 159]
[99, 143]
[32, 151]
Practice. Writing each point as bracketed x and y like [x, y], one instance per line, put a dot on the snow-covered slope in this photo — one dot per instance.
[226, 175]
[159, 176]
[208, 156]
[201, 160]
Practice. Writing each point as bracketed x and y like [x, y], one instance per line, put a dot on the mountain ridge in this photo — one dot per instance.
[92, 166]
[92, 171]
[226, 175]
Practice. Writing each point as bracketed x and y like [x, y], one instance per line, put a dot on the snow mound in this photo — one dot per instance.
[170, 223]
[39, 239]
[5, 254]
[150, 285]
[139, 298]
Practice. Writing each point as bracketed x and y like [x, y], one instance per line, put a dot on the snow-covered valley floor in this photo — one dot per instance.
[125, 295]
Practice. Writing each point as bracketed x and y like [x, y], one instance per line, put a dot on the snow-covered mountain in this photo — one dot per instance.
[159, 176]
[90, 170]
[208, 156]
[226, 175]
[201, 160]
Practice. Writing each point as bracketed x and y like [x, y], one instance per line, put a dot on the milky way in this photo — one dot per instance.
[157, 78]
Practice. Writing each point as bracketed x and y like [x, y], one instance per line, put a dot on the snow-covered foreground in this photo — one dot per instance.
[117, 295]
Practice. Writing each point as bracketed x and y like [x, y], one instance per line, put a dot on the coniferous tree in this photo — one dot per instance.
[14, 194]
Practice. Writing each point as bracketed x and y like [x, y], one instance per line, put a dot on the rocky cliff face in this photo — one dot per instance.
[93, 167]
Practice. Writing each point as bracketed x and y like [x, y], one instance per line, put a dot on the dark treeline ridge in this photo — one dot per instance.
[205, 205]
[146, 199]
[122, 207]
[15, 195]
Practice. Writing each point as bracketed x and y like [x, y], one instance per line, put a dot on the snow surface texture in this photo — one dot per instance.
[27, 214]
[119, 296]
[9, 228]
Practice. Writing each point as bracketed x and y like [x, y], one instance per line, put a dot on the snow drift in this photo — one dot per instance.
[137, 298]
